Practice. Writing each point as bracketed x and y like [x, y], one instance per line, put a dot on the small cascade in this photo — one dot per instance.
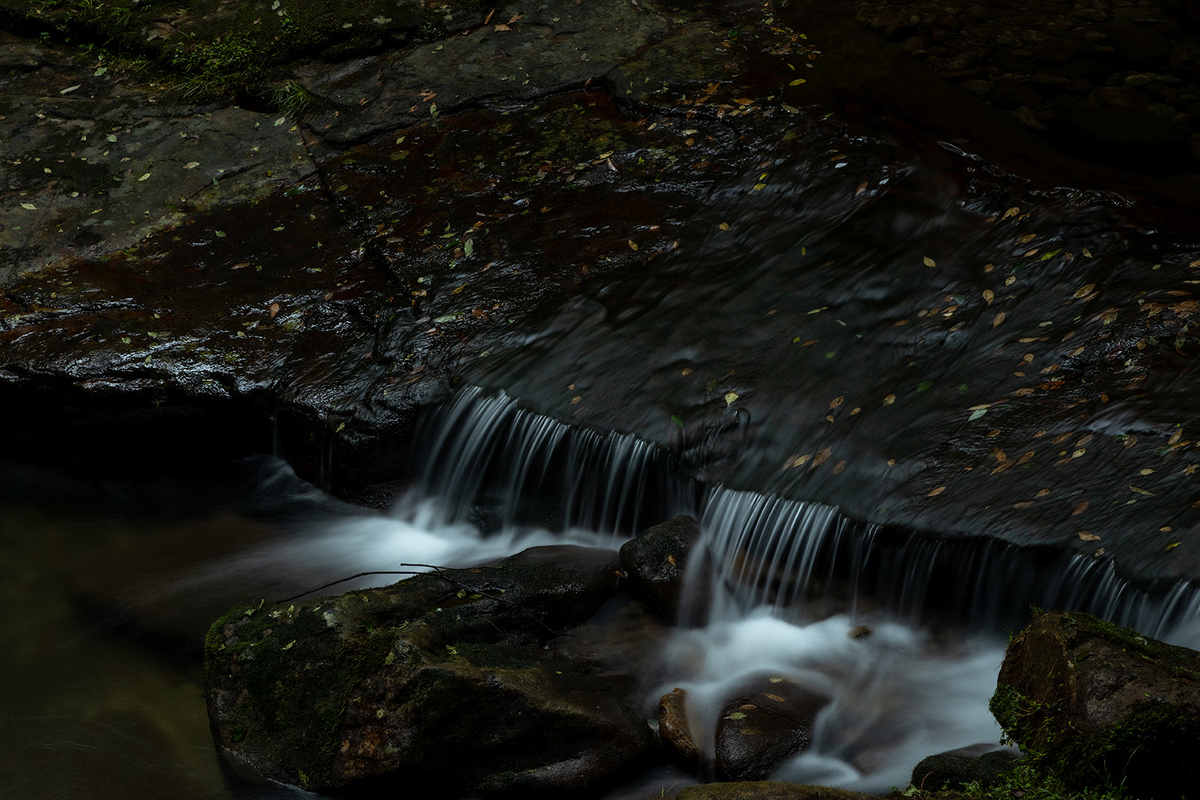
[489, 464]
[488, 461]
[806, 559]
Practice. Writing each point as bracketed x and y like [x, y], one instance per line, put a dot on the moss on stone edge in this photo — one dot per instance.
[324, 658]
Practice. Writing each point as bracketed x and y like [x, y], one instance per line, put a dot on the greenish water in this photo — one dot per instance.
[100, 684]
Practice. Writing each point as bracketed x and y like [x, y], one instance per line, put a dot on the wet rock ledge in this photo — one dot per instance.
[289, 229]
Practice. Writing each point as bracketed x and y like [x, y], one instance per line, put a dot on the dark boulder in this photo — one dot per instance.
[447, 676]
[985, 764]
[656, 560]
[1098, 704]
[771, 720]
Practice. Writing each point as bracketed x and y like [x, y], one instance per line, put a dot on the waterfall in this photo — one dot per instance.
[485, 460]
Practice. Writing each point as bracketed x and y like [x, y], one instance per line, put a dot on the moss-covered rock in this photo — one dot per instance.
[443, 675]
[1097, 704]
[767, 790]
[981, 764]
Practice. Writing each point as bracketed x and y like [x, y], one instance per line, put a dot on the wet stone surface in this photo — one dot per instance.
[706, 245]
[1114, 81]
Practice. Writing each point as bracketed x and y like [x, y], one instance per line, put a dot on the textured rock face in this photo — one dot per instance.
[1094, 702]
[443, 676]
[657, 560]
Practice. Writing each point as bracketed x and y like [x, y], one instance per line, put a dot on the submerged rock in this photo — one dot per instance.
[1095, 704]
[764, 725]
[657, 559]
[449, 676]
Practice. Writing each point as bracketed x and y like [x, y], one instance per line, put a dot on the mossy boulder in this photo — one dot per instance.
[1096, 704]
[447, 676]
[984, 764]
[767, 790]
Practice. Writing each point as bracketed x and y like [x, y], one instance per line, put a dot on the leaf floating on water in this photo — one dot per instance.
[999, 318]
[1172, 546]
[1131, 441]
[891, 398]
[1175, 437]
[976, 414]
[936, 491]
[989, 295]
[274, 309]
[924, 386]
[1087, 253]
[822, 457]
[1012, 212]
[677, 420]
[1145, 472]
[29, 206]
[1141, 491]
[797, 82]
[1029, 237]
[1082, 507]
[736, 715]
[1024, 504]
[1079, 452]
[1088, 536]
[1043, 492]
[724, 226]
[1084, 290]
[929, 262]
[290, 645]
[774, 697]
[801, 460]
[729, 398]
[632, 245]
[837, 401]
[839, 467]
[999, 455]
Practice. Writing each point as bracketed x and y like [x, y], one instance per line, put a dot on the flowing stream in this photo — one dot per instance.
[109, 587]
